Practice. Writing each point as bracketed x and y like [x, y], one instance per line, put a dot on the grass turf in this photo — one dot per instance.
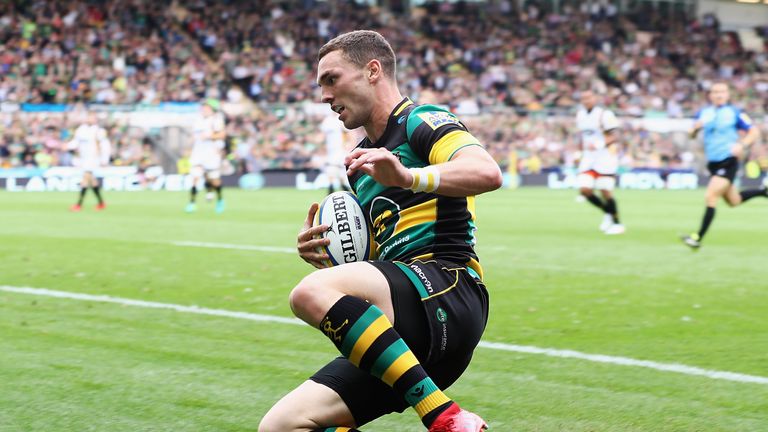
[555, 282]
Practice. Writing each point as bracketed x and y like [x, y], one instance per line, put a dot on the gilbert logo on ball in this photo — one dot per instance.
[348, 231]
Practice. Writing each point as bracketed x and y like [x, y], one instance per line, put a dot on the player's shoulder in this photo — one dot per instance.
[430, 116]
[606, 111]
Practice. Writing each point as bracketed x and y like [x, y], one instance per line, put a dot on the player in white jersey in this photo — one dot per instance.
[334, 168]
[597, 128]
[93, 149]
[205, 160]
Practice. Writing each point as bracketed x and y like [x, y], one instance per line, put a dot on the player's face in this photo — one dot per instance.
[344, 86]
[207, 110]
[719, 94]
[588, 100]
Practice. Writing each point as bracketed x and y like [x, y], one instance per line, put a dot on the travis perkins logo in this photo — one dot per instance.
[343, 229]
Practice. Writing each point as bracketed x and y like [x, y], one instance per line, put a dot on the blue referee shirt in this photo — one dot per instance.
[721, 125]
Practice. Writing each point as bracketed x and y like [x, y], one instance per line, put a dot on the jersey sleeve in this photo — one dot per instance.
[435, 134]
[743, 122]
[609, 121]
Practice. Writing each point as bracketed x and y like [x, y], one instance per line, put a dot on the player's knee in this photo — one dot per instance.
[585, 191]
[273, 423]
[305, 295]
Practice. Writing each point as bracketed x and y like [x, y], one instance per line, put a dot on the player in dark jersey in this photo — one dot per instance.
[408, 323]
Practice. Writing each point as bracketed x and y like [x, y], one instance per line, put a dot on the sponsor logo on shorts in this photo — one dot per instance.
[420, 273]
[442, 316]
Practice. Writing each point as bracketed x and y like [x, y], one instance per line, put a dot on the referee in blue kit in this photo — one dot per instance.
[728, 132]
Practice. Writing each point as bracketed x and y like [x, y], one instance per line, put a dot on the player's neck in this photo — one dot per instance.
[387, 100]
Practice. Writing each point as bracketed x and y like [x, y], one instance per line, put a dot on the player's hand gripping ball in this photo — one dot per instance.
[349, 232]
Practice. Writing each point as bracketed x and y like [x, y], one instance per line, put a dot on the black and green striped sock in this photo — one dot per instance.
[364, 335]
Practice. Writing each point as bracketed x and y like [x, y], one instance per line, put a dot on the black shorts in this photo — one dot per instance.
[441, 329]
[726, 168]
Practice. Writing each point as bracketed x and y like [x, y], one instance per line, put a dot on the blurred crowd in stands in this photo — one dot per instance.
[524, 65]
[42, 140]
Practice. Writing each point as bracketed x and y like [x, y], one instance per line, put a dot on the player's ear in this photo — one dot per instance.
[373, 70]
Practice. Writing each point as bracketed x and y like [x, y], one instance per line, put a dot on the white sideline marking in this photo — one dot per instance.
[625, 361]
[148, 304]
[235, 246]
[550, 352]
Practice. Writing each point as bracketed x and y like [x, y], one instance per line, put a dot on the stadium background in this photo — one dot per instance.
[145, 66]
[679, 339]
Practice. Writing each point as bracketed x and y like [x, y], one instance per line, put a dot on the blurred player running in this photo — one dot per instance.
[93, 148]
[334, 168]
[599, 160]
[205, 160]
[728, 132]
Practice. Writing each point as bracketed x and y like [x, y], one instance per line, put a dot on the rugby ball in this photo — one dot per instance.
[349, 232]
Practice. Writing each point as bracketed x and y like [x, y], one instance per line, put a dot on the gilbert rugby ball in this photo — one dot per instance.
[350, 236]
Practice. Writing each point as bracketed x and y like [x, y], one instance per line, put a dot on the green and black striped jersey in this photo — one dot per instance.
[408, 225]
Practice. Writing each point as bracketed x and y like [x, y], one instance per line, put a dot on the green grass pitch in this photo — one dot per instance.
[555, 282]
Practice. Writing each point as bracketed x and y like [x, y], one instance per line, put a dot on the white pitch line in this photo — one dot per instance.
[148, 304]
[236, 246]
[549, 352]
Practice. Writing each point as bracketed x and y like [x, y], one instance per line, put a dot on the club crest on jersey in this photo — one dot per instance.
[438, 118]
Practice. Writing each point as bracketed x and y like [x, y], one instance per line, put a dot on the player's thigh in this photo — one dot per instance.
[606, 184]
[732, 196]
[317, 292]
[586, 182]
[309, 406]
[213, 175]
[717, 187]
[196, 172]
[87, 178]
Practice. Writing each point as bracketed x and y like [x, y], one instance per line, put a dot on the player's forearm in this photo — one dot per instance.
[750, 137]
[610, 138]
[466, 176]
[695, 130]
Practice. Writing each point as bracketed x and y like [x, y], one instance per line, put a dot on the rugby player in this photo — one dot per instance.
[728, 133]
[597, 127]
[406, 324]
[205, 160]
[93, 149]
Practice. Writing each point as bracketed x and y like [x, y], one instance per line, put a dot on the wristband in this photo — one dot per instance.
[425, 179]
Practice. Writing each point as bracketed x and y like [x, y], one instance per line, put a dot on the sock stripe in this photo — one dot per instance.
[385, 360]
[379, 346]
[398, 368]
[357, 329]
[366, 339]
[337, 429]
[419, 391]
[429, 403]
[406, 380]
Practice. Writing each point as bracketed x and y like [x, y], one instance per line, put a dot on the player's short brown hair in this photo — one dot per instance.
[360, 47]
